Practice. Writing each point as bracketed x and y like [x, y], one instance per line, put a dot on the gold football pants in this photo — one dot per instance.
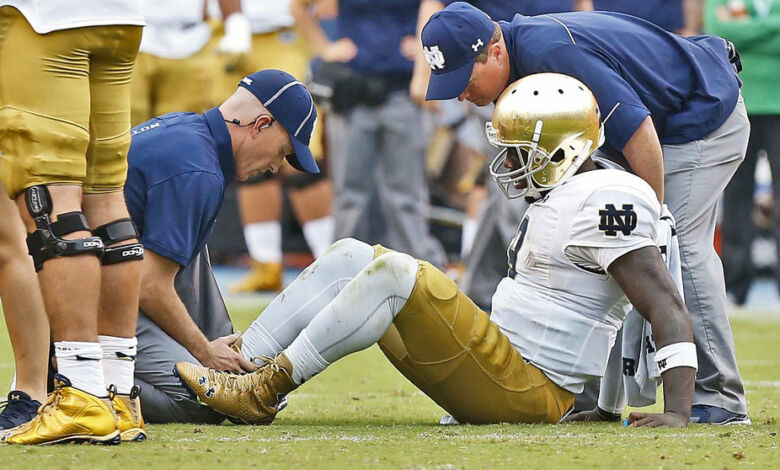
[446, 346]
[162, 86]
[64, 104]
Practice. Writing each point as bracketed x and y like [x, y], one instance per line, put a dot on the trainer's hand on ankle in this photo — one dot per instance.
[220, 356]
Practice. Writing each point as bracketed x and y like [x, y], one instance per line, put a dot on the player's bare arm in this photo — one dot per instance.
[644, 155]
[648, 285]
[342, 50]
[161, 302]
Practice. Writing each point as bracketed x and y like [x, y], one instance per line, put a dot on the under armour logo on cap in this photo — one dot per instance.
[476, 45]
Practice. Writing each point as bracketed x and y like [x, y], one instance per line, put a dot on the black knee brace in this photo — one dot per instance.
[45, 242]
[117, 231]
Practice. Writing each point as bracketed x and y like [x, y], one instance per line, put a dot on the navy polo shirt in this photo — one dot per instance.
[687, 85]
[179, 166]
[505, 10]
[668, 14]
[377, 28]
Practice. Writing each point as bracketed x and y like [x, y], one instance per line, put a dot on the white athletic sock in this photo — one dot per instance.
[319, 234]
[264, 241]
[80, 362]
[468, 233]
[305, 359]
[257, 341]
[119, 362]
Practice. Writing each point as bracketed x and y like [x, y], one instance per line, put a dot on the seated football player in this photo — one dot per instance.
[584, 253]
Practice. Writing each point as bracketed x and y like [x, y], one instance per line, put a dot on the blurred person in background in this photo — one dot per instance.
[25, 317]
[276, 44]
[175, 68]
[754, 27]
[491, 219]
[376, 134]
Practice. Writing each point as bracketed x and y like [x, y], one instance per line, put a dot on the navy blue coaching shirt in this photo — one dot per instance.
[179, 166]
[686, 84]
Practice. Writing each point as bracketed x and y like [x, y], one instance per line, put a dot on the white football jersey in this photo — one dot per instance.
[53, 15]
[558, 305]
[175, 29]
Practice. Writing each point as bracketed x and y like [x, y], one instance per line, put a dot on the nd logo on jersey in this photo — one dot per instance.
[434, 57]
[614, 220]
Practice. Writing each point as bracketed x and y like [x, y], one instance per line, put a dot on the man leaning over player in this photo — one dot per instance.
[584, 252]
[684, 132]
[65, 69]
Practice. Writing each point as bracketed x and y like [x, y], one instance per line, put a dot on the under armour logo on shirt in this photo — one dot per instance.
[476, 45]
[434, 57]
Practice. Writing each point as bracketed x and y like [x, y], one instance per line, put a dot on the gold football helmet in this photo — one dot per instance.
[549, 124]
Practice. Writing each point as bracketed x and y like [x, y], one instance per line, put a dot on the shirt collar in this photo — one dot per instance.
[221, 137]
[511, 48]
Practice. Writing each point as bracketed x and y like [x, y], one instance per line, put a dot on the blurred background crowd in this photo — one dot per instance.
[403, 172]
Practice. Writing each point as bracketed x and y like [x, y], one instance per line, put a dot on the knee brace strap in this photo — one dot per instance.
[117, 231]
[46, 243]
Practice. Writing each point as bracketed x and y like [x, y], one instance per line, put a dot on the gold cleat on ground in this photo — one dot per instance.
[261, 277]
[69, 415]
[253, 398]
[128, 413]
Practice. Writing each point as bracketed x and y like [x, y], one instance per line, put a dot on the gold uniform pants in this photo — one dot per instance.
[162, 86]
[446, 346]
[64, 104]
[283, 50]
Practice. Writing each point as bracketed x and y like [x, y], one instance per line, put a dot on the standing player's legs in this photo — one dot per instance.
[737, 224]
[25, 317]
[260, 200]
[696, 174]
[44, 117]
[111, 69]
[311, 198]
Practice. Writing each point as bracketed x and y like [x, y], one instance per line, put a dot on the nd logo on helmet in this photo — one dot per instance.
[434, 57]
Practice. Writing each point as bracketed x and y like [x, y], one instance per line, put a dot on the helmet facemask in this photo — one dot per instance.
[537, 171]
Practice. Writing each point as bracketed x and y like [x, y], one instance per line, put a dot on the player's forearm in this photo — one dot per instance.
[163, 305]
[308, 25]
[645, 157]
[678, 390]
[228, 7]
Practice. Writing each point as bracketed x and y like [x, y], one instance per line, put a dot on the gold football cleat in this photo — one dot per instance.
[128, 413]
[252, 398]
[69, 415]
[262, 277]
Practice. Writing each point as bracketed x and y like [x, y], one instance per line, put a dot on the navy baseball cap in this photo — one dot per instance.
[291, 104]
[452, 39]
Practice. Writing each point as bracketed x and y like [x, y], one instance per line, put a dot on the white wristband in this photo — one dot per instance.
[676, 355]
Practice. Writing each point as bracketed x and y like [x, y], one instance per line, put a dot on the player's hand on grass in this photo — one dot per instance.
[654, 420]
[592, 416]
[220, 356]
[342, 50]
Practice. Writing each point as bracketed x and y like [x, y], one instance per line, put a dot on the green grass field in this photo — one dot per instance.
[362, 413]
